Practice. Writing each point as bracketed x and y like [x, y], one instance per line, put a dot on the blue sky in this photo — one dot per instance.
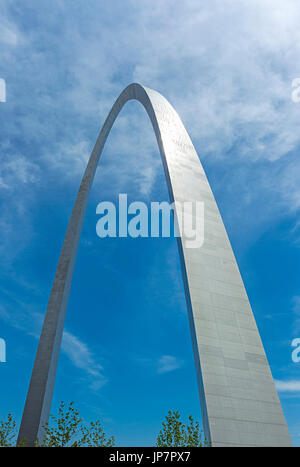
[227, 68]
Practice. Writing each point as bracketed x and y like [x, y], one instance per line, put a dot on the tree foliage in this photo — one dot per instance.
[175, 433]
[8, 431]
[68, 430]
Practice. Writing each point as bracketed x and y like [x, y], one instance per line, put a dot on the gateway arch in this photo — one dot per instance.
[239, 401]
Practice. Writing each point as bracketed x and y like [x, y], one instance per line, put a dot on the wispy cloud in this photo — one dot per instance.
[81, 356]
[162, 364]
[288, 386]
[74, 348]
[232, 89]
[8, 32]
[167, 363]
[17, 170]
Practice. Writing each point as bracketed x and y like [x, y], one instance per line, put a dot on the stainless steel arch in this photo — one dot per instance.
[239, 402]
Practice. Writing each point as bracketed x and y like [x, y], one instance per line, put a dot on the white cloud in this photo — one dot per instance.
[8, 33]
[167, 363]
[228, 71]
[16, 170]
[226, 66]
[163, 364]
[288, 386]
[76, 350]
[70, 158]
[82, 358]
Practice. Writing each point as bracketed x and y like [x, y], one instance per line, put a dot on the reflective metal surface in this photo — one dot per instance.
[239, 402]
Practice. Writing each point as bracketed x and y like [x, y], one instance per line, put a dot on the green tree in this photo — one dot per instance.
[64, 430]
[68, 430]
[174, 433]
[8, 432]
